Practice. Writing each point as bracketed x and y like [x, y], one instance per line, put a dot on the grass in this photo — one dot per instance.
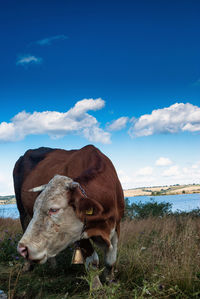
[157, 258]
[161, 255]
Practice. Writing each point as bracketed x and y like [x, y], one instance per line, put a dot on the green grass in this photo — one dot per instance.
[157, 258]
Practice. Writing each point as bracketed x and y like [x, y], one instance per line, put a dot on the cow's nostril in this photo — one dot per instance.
[23, 250]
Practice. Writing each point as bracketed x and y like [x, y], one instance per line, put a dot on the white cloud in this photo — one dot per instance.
[124, 177]
[6, 183]
[28, 59]
[57, 124]
[196, 165]
[176, 118]
[192, 127]
[148, 176]
[183, 175]
[96, 134]
[171, 171]
[163, 161]
[118, 124]
[49, 40]
[84, 105]
[192, 171]
[145, 171]
[134, 179]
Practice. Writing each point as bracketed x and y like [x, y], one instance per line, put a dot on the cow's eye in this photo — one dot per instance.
[53, 211]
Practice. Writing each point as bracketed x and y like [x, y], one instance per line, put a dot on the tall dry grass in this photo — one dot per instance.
[157, 258]
[161, 249]
[9, 226]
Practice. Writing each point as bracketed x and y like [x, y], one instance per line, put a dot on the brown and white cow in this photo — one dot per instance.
[66, 196]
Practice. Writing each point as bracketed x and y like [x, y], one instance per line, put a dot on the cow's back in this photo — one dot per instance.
[88, 166]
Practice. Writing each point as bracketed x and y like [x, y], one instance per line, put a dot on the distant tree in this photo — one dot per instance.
[128, 211]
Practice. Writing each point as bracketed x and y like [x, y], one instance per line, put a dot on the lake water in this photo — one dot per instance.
[182, 202]
[9, 211]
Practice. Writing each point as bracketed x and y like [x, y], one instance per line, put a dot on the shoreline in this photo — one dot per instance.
[163, 190]
[7, 202]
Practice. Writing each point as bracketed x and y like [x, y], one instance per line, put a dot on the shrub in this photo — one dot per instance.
[8, 247]
[144, 210]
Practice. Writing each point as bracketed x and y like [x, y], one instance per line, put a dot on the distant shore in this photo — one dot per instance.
[5, 200]
[148, 191]
[162, 190]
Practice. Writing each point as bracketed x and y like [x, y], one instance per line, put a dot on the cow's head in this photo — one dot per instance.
[56, 222]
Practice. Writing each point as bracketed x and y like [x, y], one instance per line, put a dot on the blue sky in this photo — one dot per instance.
[122, 75]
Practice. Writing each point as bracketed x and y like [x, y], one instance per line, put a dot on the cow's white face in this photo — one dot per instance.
[54, 225]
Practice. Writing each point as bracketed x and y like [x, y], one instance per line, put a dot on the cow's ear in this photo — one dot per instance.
[85, 206]
[88, 207]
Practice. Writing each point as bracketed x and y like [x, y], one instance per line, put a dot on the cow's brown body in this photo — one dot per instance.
[91, 169]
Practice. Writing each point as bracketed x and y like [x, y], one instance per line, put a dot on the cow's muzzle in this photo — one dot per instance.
[25, 252]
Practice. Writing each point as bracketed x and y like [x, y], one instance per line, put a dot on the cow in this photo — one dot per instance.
[68, 196]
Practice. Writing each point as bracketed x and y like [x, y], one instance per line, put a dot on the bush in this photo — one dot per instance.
[144, 210]
[8, 247]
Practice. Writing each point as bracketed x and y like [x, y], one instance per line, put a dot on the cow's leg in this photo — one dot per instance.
[91, 260]
[110, 257]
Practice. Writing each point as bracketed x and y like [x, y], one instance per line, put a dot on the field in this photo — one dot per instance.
[7, 199]
[157, 258]
[163, 190]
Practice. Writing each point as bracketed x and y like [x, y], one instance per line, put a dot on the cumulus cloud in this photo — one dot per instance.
[182, 175]
[28, 59]
[134, 179]
[188, 173]
[149, 176]
[145, 171]
[163, 161]
[6, 182]
[171, 171]
[176, 118]
[118, 124]
[196, 165]
[96, 134]
[124, 177]
[49, 40]
[57, 124]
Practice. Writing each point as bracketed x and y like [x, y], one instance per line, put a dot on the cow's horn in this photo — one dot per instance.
[37, 189]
